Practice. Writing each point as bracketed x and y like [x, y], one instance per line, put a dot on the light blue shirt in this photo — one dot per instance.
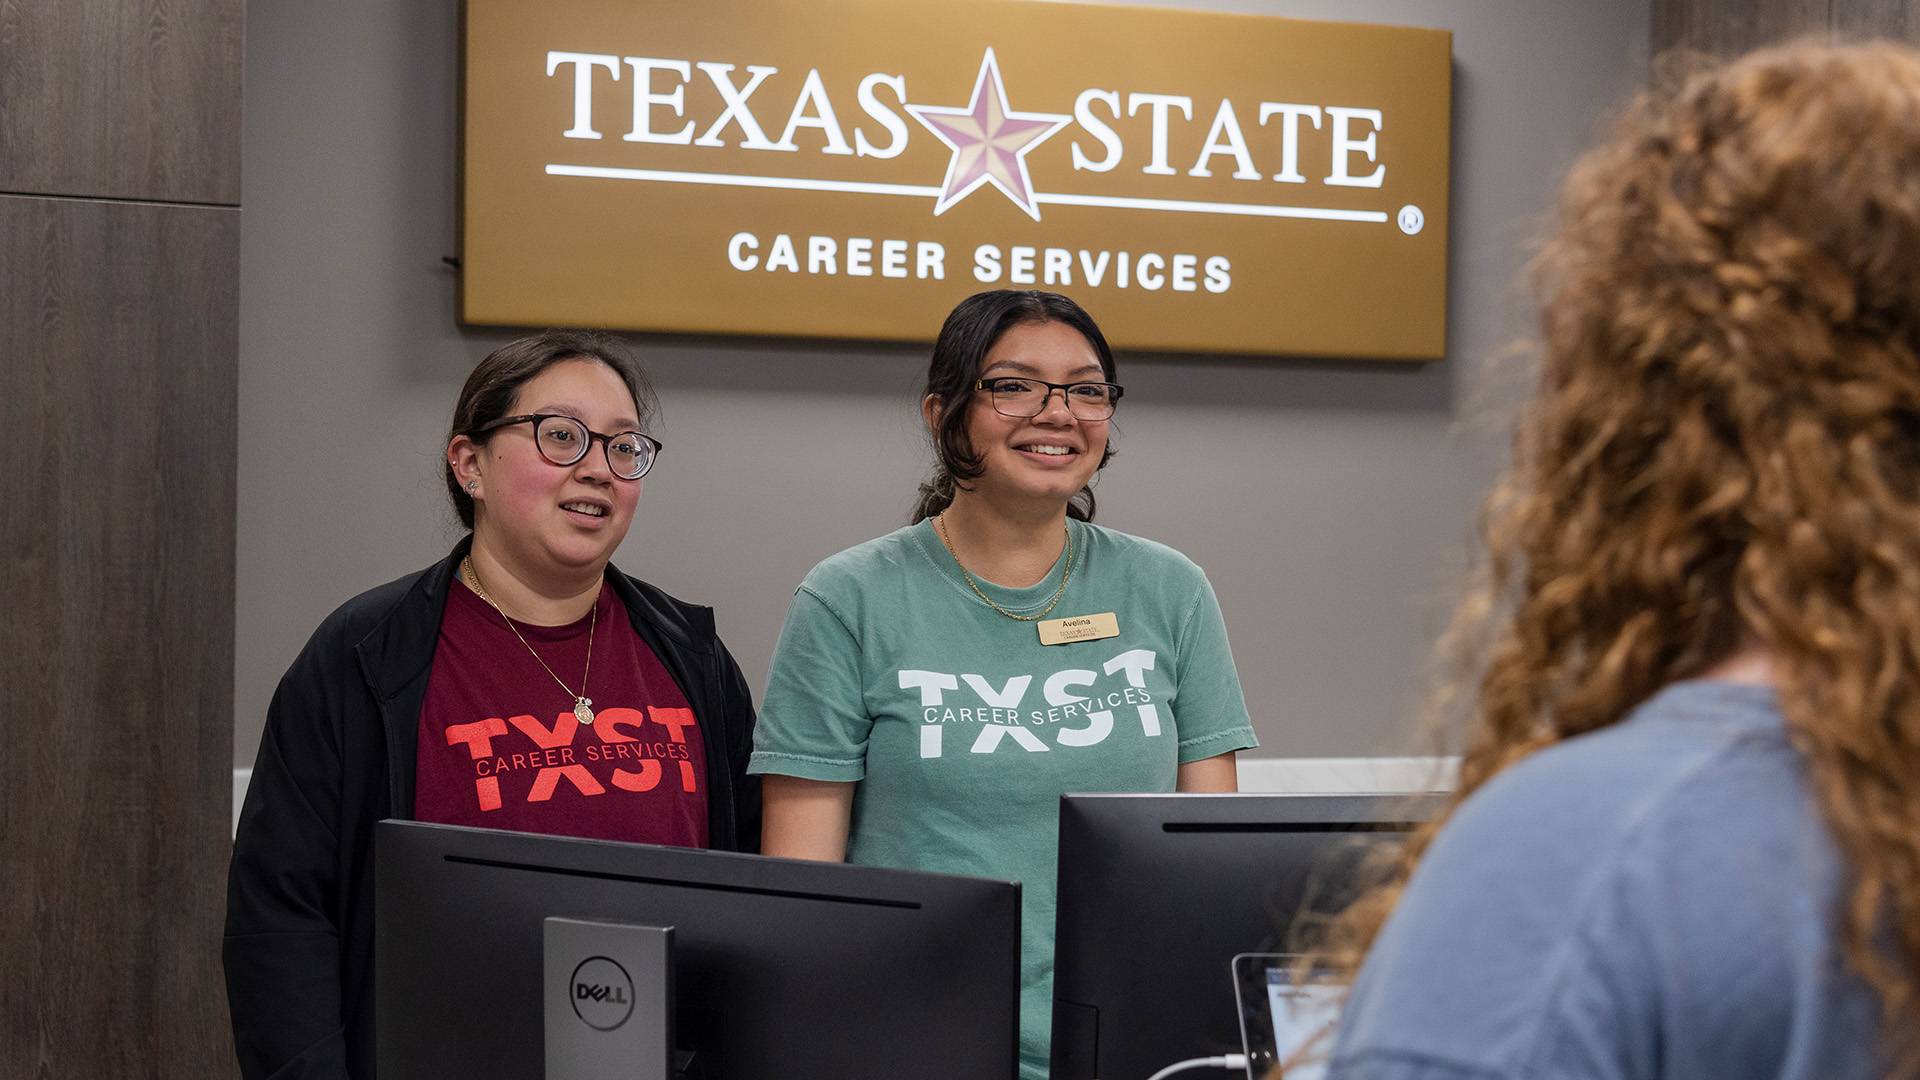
[1658, 899]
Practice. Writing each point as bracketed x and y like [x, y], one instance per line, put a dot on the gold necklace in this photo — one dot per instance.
[941, 521]
[582, 704]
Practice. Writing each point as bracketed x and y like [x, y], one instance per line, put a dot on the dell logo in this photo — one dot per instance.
[602, 993]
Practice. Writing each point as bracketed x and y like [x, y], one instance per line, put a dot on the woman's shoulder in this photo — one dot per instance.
[1689, 744]
[1138, 553]
[861, 564]
[358, 616]
[691, 622]
[1688, 736]
[400, 610]
[1649, 808]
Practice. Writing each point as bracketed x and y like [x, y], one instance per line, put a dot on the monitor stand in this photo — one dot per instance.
[609, 1001]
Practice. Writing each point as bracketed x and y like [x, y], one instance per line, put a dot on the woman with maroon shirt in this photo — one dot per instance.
[521, 683]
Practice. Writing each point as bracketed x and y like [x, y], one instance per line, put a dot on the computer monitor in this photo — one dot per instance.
[1158, 893]
[781, 968]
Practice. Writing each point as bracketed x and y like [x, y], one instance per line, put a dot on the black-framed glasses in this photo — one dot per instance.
[1028, 397]
[564, 440]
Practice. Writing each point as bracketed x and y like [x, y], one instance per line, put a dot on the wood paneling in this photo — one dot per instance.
[1729, 27]
[118, 338]
[118, 364]
[1877, 18]
[135, 99]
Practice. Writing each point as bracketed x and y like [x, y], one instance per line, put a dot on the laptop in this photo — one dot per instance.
[1285, 1020]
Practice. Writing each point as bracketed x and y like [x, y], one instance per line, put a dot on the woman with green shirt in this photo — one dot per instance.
[936, 690]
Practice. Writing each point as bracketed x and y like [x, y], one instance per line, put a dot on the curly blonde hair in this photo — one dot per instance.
[1723, 453]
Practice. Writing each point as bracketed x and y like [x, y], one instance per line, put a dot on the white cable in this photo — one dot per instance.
[1225, 1061]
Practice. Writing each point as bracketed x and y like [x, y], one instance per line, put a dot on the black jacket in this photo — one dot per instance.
[339, 754]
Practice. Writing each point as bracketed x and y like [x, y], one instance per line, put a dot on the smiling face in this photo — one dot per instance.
[1051, 456]
[546, 519]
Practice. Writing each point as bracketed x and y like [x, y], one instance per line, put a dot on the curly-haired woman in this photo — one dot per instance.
[1688, 836]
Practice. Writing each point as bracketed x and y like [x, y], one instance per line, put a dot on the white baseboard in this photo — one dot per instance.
[1348, 776]
[1388, 775]
[241, 777]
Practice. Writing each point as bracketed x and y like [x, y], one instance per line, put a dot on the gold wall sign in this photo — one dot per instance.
[852, 168]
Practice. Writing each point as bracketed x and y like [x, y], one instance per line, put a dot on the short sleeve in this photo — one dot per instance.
[1209, 708]
[1492, 977]
[813, 721]
[1518, 949]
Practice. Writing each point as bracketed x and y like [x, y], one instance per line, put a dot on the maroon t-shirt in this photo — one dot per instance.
[500, 747]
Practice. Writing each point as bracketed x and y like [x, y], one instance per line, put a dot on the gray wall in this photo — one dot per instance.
[1332, 503]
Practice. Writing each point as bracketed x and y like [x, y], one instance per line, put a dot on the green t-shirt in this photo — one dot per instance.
[964, 730]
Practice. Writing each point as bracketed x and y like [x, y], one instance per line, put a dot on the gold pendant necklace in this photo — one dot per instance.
[582, 704]
[941, 521]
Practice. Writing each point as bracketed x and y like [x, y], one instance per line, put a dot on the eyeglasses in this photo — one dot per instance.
[564, 441]
[1029, 397]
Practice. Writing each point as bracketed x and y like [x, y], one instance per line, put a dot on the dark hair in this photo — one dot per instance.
[490, 391]
[967, 336]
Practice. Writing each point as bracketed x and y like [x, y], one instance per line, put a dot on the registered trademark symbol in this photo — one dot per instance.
[1411, 219]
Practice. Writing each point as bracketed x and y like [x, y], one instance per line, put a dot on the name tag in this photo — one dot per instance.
[1079, 628]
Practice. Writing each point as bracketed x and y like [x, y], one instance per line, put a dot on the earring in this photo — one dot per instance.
[471, 485]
